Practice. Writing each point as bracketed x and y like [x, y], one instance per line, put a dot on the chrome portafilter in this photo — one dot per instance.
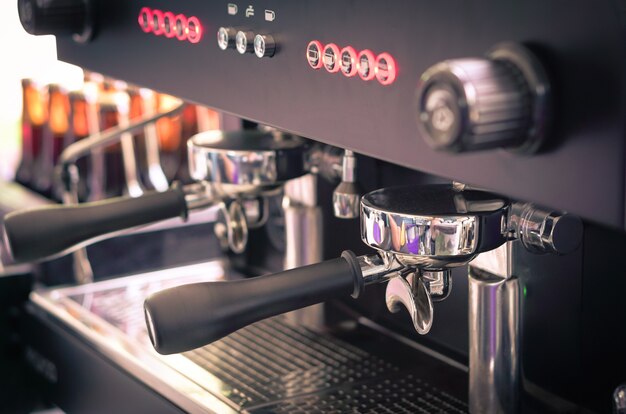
[419, 234]
[228, 167]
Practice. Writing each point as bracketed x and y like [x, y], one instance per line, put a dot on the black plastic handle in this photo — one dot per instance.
[186, 317]
[48, 231]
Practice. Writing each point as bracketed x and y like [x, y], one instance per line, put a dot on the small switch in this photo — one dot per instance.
[367, 62]
[331, 58]
[385, 69]
[348, 61]
[244, 42]
[264, 46]
[314, 54]
[226, 37]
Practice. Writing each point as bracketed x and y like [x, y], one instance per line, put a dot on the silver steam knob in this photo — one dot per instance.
[500, 101]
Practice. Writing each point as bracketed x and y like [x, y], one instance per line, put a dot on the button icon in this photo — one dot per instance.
[232, 9]
[385, 69]
[348, 61]
[250, 11]
[314, 53]
[270, 15]
[367, 62]
[330, 59]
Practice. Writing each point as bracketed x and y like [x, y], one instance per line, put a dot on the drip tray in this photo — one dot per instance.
[269, 367]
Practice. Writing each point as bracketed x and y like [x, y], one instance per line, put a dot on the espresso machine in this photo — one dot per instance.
[423, 214]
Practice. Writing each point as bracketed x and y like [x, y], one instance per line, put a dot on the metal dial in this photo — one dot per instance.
[481, 103]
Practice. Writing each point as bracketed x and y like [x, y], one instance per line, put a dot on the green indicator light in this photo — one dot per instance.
[525, 291]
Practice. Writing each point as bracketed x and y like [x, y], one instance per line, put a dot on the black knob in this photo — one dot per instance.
[55, 17]
[473, 104]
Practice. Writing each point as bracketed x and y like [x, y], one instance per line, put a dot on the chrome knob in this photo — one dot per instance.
[244, 42]
[500, 101]
[226, 37]
[264, 46]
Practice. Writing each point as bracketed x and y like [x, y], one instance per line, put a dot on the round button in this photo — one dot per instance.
[385, 69]
[145, 19]
[348, 61]
[180, 27]
[157, 22]
[225, 38]
[194, 30]
[314, 54]
[168, 24]
[244, 42]
[330, 58]
[366, 65]
[264, 46]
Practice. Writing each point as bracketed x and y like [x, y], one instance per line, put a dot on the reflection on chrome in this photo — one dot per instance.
[110, 316]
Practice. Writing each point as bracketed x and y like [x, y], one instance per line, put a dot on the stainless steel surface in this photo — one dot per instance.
[544, 231]
[619, 400]
[270, 366]
[494, 343]
[347, 196]
[304, 233]
[156, 175]
[109, 316]
[245, 161]
[438, 283]
[481, 103]
[110, 136]
[412, 293]
[378, 268]
[134, 188]
[432, 227]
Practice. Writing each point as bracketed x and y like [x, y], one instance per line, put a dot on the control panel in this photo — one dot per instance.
[523, 98]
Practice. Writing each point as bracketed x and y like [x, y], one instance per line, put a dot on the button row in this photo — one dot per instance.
[169, 25]
[245, 41]
[349, 62]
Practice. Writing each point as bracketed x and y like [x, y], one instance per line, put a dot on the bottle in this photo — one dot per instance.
[55, 138]
[80, 129]
[34, 116]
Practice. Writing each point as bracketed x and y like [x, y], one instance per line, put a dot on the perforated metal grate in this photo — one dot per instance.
[274, 367]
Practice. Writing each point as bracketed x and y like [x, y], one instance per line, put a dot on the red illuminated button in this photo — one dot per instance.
[314, 54]
[330, 58]
[348, 61]
[157, 22]
[194, 30]
[145, 19]
[366, 62]
[168, 24]
[385, 69]
[180, 27]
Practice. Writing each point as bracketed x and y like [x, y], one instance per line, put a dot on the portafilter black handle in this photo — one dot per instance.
[186, 317]
[44, 232]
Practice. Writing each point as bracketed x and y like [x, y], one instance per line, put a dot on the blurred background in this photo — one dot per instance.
[32, 57]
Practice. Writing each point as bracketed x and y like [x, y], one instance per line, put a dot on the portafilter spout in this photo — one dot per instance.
[227, 165]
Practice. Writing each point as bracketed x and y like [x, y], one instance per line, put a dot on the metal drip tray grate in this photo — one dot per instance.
[269, 367]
